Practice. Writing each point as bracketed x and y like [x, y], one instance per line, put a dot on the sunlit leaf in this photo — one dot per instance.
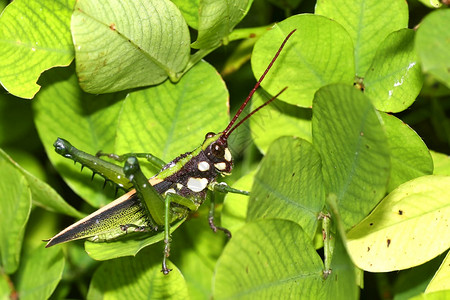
[408, 228]
[34, 37]
[441, 280]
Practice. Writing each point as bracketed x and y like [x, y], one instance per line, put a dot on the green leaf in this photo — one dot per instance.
[87, 121]
[189, 10]
[14, 210]
[320, 52]
[217, 19]
[410, 157]
[40, 273]
[394, 79]
[441, 163]
[441, 280]
[34, 37]
[170, 119]
[432, 44]
[121, 45]
[128, 245]
[368, 22]
[41, 193]
[289, 185]
[234, 212]
[266, 259]
[352, 144]
[276, 120]
[408, 228]
[139, 277]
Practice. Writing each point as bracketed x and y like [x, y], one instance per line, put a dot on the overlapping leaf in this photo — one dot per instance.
[289, 185]
[350, 139]
[217, 19]
[34, 37]
[408, 228]
[320, 52]
[410, 157]
[394, 78]
[368, 22]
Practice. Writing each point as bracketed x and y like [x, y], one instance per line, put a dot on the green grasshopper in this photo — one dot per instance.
[179, 188]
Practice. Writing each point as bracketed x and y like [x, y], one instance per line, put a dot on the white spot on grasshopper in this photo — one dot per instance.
[203, 166]
[227, 155]
[197, 184]
[179, 186]
[220, 166]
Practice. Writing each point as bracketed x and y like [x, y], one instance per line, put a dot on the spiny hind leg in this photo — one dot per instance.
[107, 170]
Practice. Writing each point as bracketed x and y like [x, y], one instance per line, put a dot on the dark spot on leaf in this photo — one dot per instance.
[246, 269]
[293, 174]
[388, 242]
[367, 146]
[252, 35]
[400, 212]
[371, 224]
[368, 249]
[112, 26]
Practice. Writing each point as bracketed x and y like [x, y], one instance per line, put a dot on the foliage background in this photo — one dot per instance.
[273, 249]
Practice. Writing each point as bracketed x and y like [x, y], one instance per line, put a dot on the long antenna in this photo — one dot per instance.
[227, 130]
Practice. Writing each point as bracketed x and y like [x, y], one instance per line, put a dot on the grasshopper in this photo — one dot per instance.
[179, 188]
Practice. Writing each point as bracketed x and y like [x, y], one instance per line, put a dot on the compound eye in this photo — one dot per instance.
[209, 135]
[217, 150]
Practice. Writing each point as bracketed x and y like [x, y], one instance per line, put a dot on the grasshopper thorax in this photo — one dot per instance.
[216, 150]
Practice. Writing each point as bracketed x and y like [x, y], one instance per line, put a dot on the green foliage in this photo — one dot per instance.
[331, 149]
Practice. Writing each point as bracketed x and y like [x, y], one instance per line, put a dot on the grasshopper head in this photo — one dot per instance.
[216, 149]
